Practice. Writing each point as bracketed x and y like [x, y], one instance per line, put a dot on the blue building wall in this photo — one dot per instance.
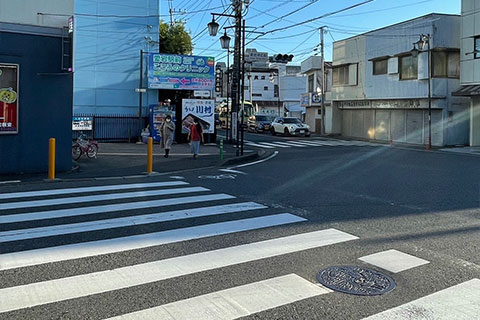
[107, 54]
[45, 102]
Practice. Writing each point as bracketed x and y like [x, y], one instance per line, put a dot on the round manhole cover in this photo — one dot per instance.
[355, 280]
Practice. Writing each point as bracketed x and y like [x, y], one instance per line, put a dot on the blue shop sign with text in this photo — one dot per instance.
[179, 72]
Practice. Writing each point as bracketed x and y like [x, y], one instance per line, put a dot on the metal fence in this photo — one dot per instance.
[113, 128]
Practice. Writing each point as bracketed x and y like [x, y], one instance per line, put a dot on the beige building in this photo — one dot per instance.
[470, 65]
[382, 86]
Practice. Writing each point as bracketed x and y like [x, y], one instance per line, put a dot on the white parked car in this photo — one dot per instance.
[290, 126]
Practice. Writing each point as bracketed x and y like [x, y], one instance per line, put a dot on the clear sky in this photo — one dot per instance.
[300, 41]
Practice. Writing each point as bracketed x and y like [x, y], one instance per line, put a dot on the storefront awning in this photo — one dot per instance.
[468, 91]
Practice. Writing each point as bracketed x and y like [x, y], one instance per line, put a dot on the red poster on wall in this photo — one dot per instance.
[8, 98]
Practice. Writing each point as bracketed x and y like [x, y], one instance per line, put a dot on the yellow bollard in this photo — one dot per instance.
[51, 158]
[150, 156]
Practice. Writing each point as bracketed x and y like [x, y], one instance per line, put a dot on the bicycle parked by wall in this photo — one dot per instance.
[84, 146]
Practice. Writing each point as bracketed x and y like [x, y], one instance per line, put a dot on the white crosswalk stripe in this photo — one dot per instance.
[235, 302]
[302, 143]
[258, 145]
[53, 192]
[275, 145]
[96, 248]
[63, 213]
[460, 302]
[39, 293]
[32, 233]
[50, 228]
[101, 197]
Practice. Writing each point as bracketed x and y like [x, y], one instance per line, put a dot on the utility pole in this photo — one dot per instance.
[322, 48]
[171, 11]
[242, 85]
[237, 74]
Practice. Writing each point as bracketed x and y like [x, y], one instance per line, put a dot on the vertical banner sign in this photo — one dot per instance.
[179, 72]
[200, 109]
[8, 98]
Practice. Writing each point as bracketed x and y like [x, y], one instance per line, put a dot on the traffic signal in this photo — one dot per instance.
[281, 58]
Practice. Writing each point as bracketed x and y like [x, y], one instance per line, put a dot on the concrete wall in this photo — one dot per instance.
[25, 12]
[45, 103]
[291, 88]
[107, 55]
[470, 67]
[445, 32]
[350, 51]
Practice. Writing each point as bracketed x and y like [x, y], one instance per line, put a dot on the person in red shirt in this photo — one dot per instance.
[195, 136]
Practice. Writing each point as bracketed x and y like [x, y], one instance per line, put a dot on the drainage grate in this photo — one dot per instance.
[355, 280]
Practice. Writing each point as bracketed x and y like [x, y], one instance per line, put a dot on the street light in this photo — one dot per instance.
[213, 27]
[420, 44]
[225, 41]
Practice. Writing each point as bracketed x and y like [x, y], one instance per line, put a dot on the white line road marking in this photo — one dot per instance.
[51, 214]
[275, 145]
[284, 144]
[292, 144]
[96, 248]
[460, 302]
[35, 294]
[11, 181]
[99, 197]
[232, 171]
[307, 143]
[234, 303]
[54, 192]
[33, 233]
[256, 162]
[258, 145]
[393, 260]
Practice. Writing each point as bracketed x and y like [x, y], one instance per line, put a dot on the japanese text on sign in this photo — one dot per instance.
[178, 72]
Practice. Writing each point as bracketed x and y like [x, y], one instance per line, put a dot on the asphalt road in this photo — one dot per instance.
[370, 198]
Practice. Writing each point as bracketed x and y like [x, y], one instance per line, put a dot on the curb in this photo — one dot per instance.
[228, 162]
[249, 157]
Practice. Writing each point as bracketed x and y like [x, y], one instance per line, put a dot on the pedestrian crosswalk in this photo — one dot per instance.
[48, 228]
[304, 143]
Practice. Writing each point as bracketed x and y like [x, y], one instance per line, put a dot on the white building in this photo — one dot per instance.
[312, 97]
[470, 65]
[292, 85]
[381, 87]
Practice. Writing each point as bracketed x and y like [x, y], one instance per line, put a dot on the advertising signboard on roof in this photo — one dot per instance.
[179, 72]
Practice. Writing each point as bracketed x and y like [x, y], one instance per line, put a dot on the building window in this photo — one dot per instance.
[310, 83]
[408, 67]
[257, 94]
[245, 88]
[265, 88]
[380, 67]
[477, 47]
[255, 78]
[446, 64]
[340, 75]
[276, 91]
[263, 77]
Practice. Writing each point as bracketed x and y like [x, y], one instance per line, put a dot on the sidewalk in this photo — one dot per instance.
[129, 160]
[462, 150]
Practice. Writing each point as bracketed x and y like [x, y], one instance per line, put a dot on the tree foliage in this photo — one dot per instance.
[175, 39]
